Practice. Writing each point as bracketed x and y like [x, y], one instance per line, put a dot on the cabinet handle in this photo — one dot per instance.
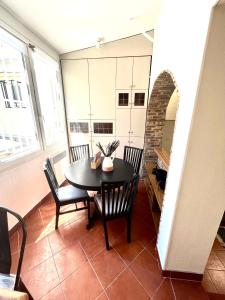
[131, 142]
[131, 132]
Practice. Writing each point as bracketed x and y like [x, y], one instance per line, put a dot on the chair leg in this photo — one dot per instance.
[129, 229]
[57, 216]
[106, 235]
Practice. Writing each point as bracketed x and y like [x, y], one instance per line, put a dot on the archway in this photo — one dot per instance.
[156, 113]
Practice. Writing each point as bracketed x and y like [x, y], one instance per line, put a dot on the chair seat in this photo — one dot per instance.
[7, 281]
[67, 193]
[110, 211]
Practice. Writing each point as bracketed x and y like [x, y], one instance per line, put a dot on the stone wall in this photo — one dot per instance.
[156, 112]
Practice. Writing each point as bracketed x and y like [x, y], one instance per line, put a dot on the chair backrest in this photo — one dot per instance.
[52, 181]
[79, 152]
[118, 197]
[133, 156]
[5, 250]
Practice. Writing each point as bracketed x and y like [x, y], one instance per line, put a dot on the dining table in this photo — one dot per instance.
[80, 174]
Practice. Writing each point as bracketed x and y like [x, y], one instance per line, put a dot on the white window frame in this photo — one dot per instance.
[18, 42]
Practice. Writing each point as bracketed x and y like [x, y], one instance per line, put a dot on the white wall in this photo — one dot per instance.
[22, 183]
[172, 106]
[133, 46]
[194, 195]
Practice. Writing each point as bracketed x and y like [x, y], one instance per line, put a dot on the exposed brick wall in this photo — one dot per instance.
[156, 113]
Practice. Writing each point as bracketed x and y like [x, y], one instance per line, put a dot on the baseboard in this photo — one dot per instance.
[179, 275]
[16, 226]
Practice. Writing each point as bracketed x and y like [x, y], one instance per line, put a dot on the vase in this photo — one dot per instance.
[107, 164]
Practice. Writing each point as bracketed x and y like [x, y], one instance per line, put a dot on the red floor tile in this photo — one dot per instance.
[61, 238]
[221, 256]
[165, 291]
[188, 290]
[107, 265]
[41, 279]
[214, 262]
[218, 279]
[126, 287]
[56, 294]
[82, 284]
[128, 251]
[103, 296]
[207, 283]
[69, 259]
[35, 254]
[146, 269]
[93, 242]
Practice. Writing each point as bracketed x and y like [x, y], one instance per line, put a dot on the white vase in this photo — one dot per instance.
[107, 164]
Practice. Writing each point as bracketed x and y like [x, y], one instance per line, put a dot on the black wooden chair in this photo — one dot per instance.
[79, 152]
[133, 156]
[116, 201]
[65, 195]
[8, 280]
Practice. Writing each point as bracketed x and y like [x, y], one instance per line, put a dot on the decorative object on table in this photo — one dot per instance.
[107, 165]
[96, 161]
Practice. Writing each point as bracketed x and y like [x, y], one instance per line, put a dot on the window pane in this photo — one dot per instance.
[49, 92]
[18, 134]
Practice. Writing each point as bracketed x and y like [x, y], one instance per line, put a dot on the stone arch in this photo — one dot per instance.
[155, 118]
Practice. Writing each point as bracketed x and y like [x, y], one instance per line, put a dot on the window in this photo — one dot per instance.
[123, 99]
[50, 98]
[139, 99]
[18, 132]
[103, 128]
[79, 127]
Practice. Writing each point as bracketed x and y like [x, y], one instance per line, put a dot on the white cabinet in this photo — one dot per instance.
[123, 122]
[141, 69]
[102, 76]
[124, 73]
[106, 99]
[137, 120]
[76, 88]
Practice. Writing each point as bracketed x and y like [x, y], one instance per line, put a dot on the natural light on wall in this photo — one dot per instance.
[18, 133]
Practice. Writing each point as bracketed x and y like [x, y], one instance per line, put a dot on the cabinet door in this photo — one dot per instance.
[76, 88]
[123, 122]
[124, 73]
[138, 116]
[141, 72]
[139, 98]
[124, 141]
[102, 75]
[136, 141]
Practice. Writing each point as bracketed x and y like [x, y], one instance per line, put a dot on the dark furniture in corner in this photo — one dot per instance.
[116, 201]
[8, 280]
[133, 156]
[64, 195]
[79, 152]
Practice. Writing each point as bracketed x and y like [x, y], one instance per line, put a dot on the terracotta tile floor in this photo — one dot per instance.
[72, 263]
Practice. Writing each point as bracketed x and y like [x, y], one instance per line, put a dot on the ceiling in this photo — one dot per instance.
[70, 25]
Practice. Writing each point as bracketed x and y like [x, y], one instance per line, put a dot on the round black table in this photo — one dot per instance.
[82, 176]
